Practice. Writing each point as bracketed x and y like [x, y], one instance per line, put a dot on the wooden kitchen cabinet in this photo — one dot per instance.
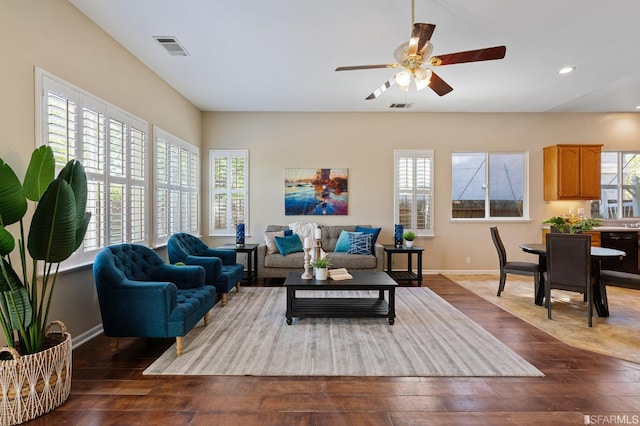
[572, 172]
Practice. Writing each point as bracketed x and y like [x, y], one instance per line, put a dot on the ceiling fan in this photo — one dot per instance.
[417, 51]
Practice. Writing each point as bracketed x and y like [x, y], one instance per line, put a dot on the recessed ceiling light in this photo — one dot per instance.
[566, 70]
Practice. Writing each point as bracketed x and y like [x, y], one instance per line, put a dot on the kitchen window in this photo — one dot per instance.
[620, 186]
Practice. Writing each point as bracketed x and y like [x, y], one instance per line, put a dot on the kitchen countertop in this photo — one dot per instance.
[608, 228]
[615, 229]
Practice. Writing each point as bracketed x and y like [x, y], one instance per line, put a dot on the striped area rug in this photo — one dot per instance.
[430, 337]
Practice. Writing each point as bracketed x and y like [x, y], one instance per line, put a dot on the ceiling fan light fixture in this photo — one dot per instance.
[422, 77]
[403, 79]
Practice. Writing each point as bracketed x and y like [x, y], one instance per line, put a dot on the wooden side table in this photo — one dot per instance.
[251, 250]
[407, 275]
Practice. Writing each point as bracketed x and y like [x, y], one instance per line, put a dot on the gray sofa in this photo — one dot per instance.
[278, 266]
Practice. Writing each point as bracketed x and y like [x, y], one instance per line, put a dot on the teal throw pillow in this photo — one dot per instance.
[289, 244]
[342, 245]
[373, 231]
[360, 243]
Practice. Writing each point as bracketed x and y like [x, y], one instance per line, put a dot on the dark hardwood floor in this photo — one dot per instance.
[111, 390]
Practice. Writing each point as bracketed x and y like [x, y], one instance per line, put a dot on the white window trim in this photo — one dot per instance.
[619, 187]
[43, 82]
[413, 153]
[525, 191]
[229, 153]
[158, 135]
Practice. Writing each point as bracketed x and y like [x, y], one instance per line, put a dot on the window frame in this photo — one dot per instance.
[181, 179]
[133, 182]
[412, 155]
[619, 187]
[229, 154]
[487, 200]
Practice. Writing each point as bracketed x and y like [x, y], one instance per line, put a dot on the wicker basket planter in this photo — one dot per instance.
[36, 384]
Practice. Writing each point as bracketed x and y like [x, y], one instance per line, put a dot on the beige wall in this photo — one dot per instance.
[53, 35]
[364, 143]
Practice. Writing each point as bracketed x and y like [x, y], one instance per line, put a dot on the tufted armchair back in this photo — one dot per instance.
[182, 245]
[134, 262]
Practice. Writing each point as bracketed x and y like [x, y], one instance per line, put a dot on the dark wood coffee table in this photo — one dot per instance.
[342, 307]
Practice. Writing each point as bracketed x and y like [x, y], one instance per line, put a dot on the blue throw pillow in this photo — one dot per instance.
[374, 232]
[342, 245]
[360, 243]
[289, 244]
[288, 232]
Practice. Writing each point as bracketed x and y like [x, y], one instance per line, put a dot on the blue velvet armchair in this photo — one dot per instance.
[221, 268]
[142, 296]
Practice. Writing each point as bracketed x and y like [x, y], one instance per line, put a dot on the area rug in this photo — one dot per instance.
[617, 335]
[249, 336]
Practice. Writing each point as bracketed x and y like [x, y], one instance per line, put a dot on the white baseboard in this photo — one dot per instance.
[86, 336]
[462, 271]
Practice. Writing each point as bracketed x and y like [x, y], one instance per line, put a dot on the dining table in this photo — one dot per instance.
[597, 254]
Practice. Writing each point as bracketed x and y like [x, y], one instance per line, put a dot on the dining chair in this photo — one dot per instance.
[569, 267]
[507, 267]
[616, 279]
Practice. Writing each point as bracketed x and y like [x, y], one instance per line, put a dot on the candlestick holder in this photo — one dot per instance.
[317, 249]
[307, 275]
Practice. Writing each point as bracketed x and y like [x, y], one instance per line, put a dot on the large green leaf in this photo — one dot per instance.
[15, 297]
[7, 242]
[52, 236]
[13, 204]
[39, 173]
[17, 302]
[73, 172]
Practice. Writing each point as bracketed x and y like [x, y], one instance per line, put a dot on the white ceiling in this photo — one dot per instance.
[280, 55]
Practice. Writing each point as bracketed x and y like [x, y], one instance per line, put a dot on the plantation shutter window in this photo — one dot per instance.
[413, 197]
[177, 172]
[229, 196]
[111, 145]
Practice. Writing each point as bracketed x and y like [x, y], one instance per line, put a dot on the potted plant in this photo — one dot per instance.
[571, 224]
[408, 237]
[56, 230]
[321, 267]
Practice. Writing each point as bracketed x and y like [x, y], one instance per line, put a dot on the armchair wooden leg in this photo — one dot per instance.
[206, 319]
[179, 345]
[224, 299]
[238, 288]
[114, 345]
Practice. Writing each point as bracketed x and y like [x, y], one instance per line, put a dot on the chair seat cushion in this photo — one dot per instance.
[191, 305]
[229, 277]
[523, 266]
[620, 279]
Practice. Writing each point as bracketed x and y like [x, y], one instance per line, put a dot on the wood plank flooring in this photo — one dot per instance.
[111, 390]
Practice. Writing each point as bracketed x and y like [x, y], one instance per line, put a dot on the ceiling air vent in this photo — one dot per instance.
[400, 106]
[172, 45]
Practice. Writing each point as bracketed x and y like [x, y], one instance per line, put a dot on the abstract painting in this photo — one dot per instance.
[315, 192]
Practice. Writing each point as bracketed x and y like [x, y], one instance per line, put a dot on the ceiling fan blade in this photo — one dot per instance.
[487, 54]
[423, 33]
[380, 90]
[438, 85]
[366, 67]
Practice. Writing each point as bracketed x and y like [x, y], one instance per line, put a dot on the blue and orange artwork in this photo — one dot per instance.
[315, 192]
